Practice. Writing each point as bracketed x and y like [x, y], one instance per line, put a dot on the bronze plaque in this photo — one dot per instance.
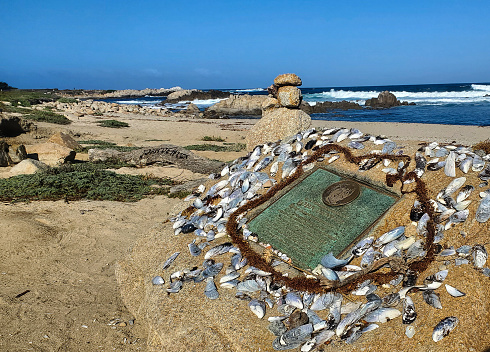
[341, 193]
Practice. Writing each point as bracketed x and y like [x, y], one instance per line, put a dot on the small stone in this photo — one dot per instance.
[288, 79]
[267, 184]
[122, 324]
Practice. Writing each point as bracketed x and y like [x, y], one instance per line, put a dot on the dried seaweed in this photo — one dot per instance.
[317, 285]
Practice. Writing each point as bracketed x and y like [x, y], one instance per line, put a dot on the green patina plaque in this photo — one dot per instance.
[302, 225]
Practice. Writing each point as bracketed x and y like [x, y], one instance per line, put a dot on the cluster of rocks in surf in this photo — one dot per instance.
[385, 100]
[302, 319]
[281, 116]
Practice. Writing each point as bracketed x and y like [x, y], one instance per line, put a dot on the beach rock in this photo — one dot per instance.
[276, 124]
[236, 105]
[289, 96]
[192, 94]
[17, 154]
[164, 153]
[192, 109]
[12, 126]
[272, 90]
[4, 154]
[51, 154]
[287, 79]
[65, 140]
[385, 100]
[271, 103]
[326, 106]
[27, 166]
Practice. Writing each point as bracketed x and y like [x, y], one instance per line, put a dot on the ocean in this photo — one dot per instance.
[453, 104]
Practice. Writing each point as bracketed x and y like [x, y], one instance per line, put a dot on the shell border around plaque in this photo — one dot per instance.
[365, 183]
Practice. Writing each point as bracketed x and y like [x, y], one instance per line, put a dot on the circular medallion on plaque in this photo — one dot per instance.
[341, 193]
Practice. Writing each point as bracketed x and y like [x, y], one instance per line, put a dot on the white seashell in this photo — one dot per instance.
[382, 315]
[158, 280]
[443, 328]
[333, 158]
[454, 291]
[450, 167]
[293, 299]
[257, 307]
[410, 331]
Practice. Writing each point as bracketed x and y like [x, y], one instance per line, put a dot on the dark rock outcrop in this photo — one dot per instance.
[4, 154]
[164, 153]
[13, 126]
[385, 100]
[196, 94]
[328, 106]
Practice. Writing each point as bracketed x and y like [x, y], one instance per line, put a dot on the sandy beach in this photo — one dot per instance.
[59, 290]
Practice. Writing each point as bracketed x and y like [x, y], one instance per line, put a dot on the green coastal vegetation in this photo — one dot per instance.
[212, 139]
[98, 144]
[82, 181]
[227, 147]
[113, 124]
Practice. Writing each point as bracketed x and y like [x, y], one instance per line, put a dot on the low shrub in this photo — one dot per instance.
[232, 147]
[113, 124]
[47, 116]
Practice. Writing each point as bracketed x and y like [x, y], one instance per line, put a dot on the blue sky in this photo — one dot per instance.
[230, 44]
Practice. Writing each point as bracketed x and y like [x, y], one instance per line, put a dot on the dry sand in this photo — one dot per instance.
[58, 288]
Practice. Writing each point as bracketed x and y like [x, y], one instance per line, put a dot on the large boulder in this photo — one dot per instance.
[193, 94]
[51, 153]
[287, 79]
[277, 124]
[237, 105]
[4, 154]
[65, 140]
[385, 100]
[12, 126]
[17, 154]
[28, 166]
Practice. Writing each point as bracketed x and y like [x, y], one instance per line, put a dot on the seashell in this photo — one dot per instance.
[454, 291]
[441, 152]
[466, 164]
[330, 274]
[390, 236]
[170, 260]
[422, 224]
[313, 318]
[483, 211]
[355, 145]
[330, 262]
[415, 250]
[218, 250]
[212, 270]
[188, 228]
[410, 331]
[211, 291]
[248, 286]
[368, 164]
[178, 223]
[297, 335]
[397, 280]
[369, 256]
[478, 164]
[277, 327]
[324, 301]
[391, 300]
[228, 277]
[416, 212]
[194, 249]
[158, 280]
[257, 307]
[453, 186]
[432, 299]
[409, 313]
[362, 246]
[175, 287]
[230, 284]
[480, 256]
[462, 205]
[464, 193]
[293, 299]
[382, 315]
[458, 217]
[225, 171]
[437, 165]
[443, 328]
[388, 147]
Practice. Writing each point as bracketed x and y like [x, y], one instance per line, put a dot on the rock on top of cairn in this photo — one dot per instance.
[287, 79]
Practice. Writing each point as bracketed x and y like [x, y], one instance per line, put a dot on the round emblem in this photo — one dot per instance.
[341, 193]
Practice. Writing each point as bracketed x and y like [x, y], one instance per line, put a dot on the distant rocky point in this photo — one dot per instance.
[193, 94]
[125, 93]
[385, 100]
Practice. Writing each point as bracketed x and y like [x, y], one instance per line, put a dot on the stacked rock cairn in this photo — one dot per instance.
[281, 116]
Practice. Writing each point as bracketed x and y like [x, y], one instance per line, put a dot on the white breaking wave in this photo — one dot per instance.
[448, 97]
[204, 103]
[250, 90]
[483, 87]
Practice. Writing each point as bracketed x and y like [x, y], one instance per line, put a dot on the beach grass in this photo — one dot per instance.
[67, 100]
[231, 147]
[98, 144]
[47, 116]
[113, 124]
[81, 181]
[212, 139]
